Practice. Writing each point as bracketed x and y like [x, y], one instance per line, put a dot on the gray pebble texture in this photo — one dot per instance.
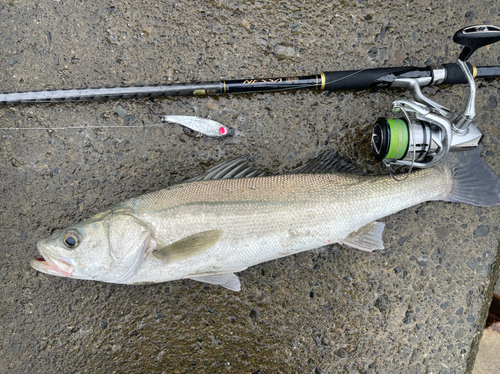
[417, 306]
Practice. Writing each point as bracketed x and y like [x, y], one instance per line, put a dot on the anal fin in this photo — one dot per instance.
[228, 280]
[368, 238]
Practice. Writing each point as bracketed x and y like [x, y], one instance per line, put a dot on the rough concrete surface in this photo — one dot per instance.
[416, 307]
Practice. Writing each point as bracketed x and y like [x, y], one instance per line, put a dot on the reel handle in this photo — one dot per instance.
[474, 37]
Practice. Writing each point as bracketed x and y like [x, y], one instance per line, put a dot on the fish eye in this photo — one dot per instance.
[71, 239]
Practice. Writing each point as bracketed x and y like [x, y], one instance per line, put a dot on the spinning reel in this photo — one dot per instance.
[422, 132]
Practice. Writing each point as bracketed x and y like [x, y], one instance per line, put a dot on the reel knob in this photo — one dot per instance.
[474, 37]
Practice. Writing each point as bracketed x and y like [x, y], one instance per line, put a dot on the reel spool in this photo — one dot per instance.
[420, 137]
[394, 139]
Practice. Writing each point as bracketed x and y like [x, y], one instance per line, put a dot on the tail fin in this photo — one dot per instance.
[474, 182]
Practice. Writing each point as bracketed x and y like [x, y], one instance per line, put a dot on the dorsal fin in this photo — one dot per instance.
[328, 162]
[231, 169]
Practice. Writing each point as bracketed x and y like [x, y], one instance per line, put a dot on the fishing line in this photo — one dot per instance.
[80, 127]
[88, 127]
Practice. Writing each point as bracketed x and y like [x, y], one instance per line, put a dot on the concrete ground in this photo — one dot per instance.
[418, 306]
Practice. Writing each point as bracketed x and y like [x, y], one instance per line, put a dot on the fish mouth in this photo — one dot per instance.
[49, 265]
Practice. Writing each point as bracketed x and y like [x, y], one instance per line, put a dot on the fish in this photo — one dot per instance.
[235, 216]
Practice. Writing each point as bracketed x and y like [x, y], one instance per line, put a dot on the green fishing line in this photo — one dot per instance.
[399, 138]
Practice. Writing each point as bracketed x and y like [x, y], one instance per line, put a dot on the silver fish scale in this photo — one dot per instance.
[270, 217]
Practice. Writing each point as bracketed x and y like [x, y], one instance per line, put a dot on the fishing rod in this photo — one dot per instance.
[376, 78]
[420, 133]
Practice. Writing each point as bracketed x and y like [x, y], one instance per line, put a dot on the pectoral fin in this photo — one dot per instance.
[190, 246]
[368, 238]
[228, 280]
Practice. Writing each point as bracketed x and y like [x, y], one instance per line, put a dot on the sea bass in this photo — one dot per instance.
[234, 216]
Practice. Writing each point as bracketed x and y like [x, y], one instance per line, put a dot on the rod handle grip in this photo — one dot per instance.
[455, 75]
[365, 79]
